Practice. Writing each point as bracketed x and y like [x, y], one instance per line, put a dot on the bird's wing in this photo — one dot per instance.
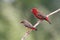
[28, 24]
[41, 15]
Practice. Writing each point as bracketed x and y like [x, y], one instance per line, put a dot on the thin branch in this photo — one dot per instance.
[53, 12]
[28, 31]
[37, 23]
[26, 35]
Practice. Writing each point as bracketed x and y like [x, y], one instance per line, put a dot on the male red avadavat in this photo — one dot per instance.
[40, 15]
[28, 24]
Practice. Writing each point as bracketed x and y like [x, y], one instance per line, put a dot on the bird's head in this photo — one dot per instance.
[34, 10]
[22, 22]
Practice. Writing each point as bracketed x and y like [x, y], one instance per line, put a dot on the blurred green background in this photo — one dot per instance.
[12, 12]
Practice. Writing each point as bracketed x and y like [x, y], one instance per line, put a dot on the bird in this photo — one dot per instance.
[40, 15]
[28, 24]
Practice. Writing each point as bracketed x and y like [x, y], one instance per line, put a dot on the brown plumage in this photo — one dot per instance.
[28, 24]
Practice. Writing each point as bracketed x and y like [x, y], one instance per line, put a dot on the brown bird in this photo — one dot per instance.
[28, 24]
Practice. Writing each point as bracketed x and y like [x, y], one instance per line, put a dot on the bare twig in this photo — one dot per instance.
[26, 35]
[28, 31]
[53, 12]
[37, 23]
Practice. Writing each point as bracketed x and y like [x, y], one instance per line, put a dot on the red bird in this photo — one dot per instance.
[28, 24]
[39, 15]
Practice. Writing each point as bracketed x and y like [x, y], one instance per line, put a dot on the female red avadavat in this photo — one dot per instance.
[28, 24]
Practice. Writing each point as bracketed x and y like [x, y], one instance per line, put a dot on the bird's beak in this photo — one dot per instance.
[21, 22]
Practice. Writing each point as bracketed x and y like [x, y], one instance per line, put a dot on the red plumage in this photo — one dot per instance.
[39, 15]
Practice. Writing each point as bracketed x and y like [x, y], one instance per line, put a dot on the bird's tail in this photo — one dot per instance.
[47, 20]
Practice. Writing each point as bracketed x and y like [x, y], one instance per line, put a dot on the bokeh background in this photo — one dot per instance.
[12, 12]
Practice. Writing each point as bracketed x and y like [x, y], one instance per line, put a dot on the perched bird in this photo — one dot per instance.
[28, 24]
[40, 15]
